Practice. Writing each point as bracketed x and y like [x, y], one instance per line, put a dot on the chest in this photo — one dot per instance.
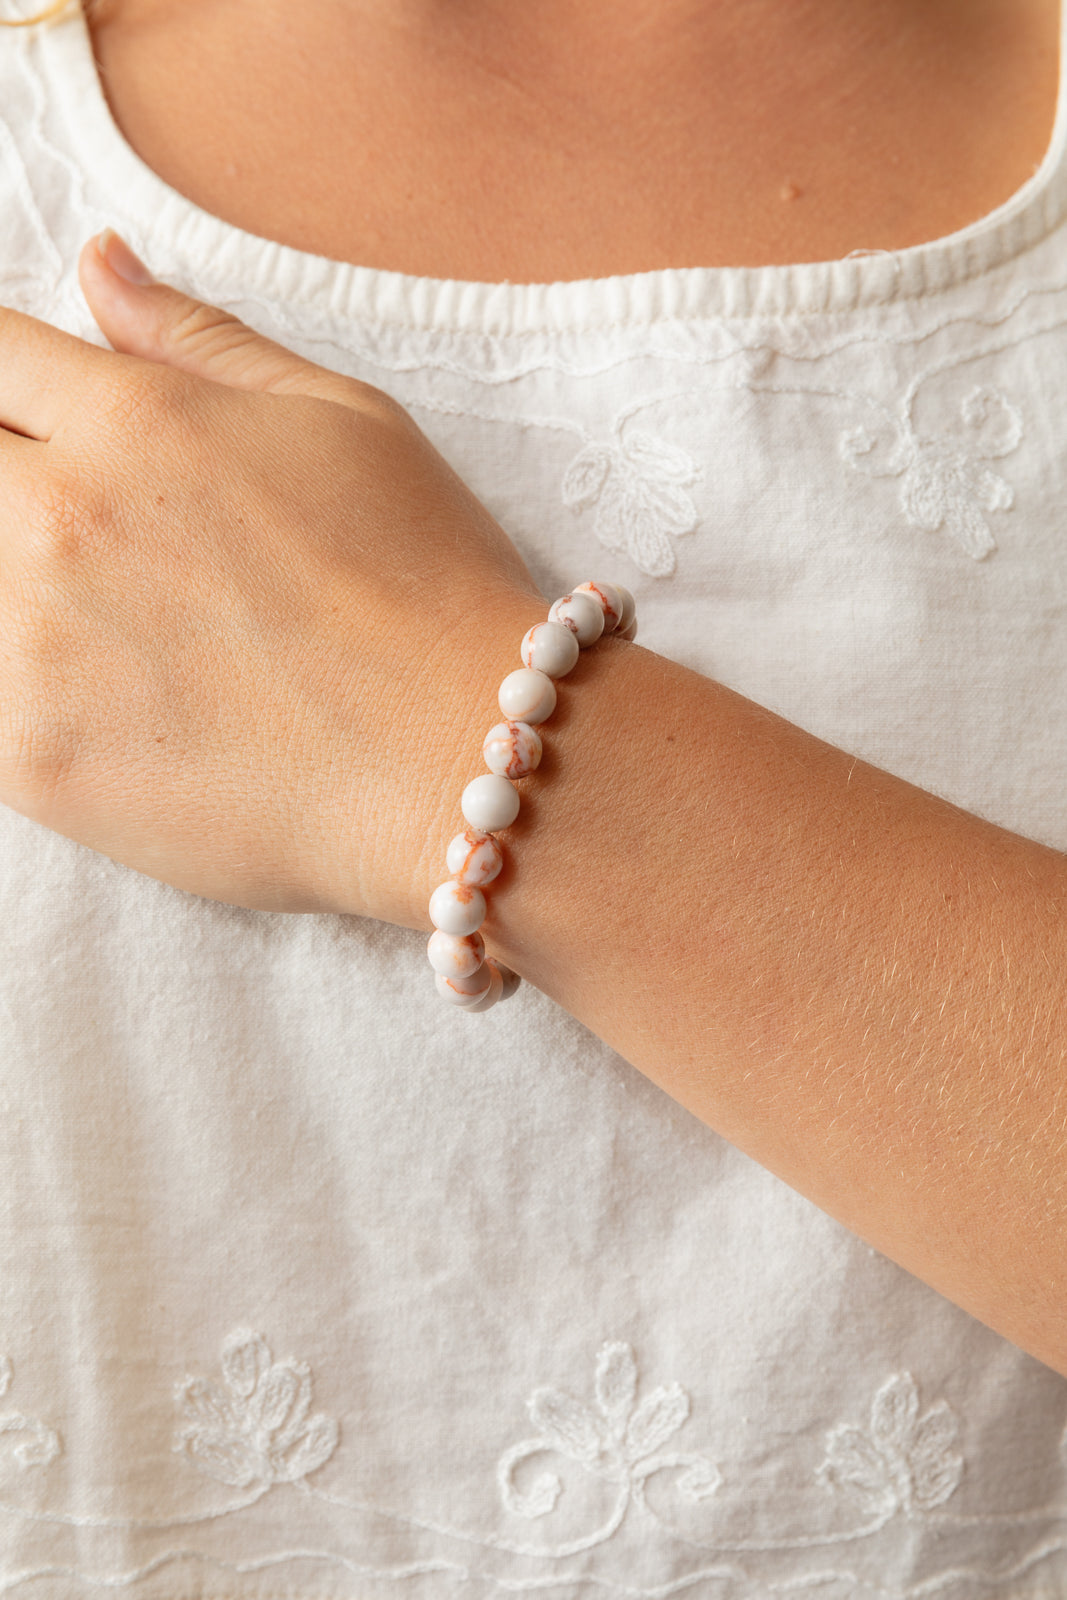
[413, 150]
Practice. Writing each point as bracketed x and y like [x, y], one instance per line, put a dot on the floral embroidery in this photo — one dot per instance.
[637, 486]
[43, 1444]
[617, 1440]
[255, 1429]
[964, 1571]
[945, 482]
[904, 1462]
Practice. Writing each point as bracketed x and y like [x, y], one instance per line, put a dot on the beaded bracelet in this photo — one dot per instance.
[465, 975]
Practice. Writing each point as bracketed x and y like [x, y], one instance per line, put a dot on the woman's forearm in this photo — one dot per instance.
[860, 985]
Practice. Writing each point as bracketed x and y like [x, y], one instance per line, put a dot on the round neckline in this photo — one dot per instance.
[169, 229]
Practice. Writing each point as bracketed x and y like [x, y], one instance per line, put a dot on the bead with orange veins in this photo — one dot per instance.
[457, 908]
[610, 597]
[474, 857]
[512, 749]
[582, 614]
[466, 991]
[551, 648]
[455, 955]
[527, 696]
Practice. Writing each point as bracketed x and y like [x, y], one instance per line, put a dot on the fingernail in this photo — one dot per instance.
[121, 259]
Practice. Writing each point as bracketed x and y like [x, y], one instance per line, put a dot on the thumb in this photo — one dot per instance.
[144, 318]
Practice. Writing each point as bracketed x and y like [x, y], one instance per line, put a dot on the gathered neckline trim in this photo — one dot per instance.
[164, 225]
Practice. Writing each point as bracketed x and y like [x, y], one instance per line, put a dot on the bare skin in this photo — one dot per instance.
[556, 139]
[861, 986]
[853, 981]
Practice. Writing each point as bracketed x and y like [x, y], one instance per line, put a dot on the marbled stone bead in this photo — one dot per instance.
[457, 908]
[490, 803]
[493, 993]
[629, 607]
[609, 597]
[527, 696]
[512, 749]
[551, 648]
[474, 857]
[455, 956]
[509, 979]
[466, 991]
[582, 614]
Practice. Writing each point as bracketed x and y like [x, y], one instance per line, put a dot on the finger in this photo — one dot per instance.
[144, 318]
[43, 372]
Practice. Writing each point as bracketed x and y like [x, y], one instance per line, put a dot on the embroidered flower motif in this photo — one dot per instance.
[945, 482]
[43, 1444]
[641, 504]
[617, 1440]
[904, 1462]
[256, 1428]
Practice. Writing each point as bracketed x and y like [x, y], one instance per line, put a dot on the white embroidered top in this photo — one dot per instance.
[314, 1290]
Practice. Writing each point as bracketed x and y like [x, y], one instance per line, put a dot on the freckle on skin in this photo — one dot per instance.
[789, 190]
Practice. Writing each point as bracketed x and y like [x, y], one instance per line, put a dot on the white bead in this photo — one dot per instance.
[492, 994]
[582, 614]
[629, 633]
[512, 749]
[551, 648]
[465, 991]
[510, 980]
[609, 597]
[527, 696]
[474, 857]
[490, 803]
[454, 956]
[629, 607]
[457, 908]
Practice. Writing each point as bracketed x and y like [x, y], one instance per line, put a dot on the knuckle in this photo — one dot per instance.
[56, 512]
[38, 730]
[142, 396]
[34, 652]
[38, 747]
[208, 331]
[67, 514]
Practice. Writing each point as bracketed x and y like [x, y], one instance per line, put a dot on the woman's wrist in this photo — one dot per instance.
[441, 729]
[579, 836]
[527, 698]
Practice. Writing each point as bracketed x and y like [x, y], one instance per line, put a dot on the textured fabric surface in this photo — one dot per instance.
[313, 1288]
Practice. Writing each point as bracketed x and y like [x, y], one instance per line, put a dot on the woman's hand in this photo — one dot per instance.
[249, 624]
[250, 620]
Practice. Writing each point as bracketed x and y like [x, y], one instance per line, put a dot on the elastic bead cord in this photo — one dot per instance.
[463, 973]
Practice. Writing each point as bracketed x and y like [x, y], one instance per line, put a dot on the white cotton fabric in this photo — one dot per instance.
[313, 1289]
